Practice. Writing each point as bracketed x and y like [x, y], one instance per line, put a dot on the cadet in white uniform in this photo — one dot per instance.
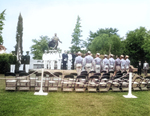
[59, 58]
[127, 63]
[69, 61]
[78, 63]
[97, 63]
[111, 63]
[52, 60]
[145, 67]
[44, 57]
[88, 62]
[123, 63]
[49, 59]
[105, 63]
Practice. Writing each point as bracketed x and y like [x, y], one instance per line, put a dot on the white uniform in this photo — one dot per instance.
[111, 64]
[78, 63]
[97, 64]
[59, 58]
[44, 57]
[105, 64]
[83, 64]
[69, 61]
[48, 57]
[123, 64]
[52, 60]
[88, 63]
[127, 63]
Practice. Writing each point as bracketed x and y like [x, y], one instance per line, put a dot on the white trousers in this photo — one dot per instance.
[27, 68]
[88, 67]
[58, 64]
[78, 68]
[12, 68]
[45, 64]
[97, 68]
[52, 64]
[21, 67]
[69, 64]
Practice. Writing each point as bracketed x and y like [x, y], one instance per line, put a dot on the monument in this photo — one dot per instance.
[54, 42]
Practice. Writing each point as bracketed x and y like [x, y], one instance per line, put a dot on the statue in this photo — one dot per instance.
[54, 42]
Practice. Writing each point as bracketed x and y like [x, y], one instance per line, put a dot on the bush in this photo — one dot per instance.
[5, 61]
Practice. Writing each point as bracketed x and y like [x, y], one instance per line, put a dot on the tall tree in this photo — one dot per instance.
[39, 46]
[19, 34]
[136, 45]
[2, 18]
[76, 41]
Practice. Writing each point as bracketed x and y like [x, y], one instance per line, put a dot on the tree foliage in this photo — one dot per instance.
[2, 18]
[106, 44]
[76, 41]
[19, 34]
[137, 45]
[108, 31]
[39, 46]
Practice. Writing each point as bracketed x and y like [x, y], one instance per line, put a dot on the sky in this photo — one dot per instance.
[46, 17]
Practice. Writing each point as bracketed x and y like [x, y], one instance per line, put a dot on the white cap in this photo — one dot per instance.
[79, 52]
[98, 54]
[111, 55]
[89, 52]
[127, 56]
[121, 56]
[105, 55]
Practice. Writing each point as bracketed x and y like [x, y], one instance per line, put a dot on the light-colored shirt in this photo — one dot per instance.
[146, 66]
[127, 62]
[88, 59]
[97, 61]
[78, 60]
[117, 62]
[111, 61]
[105, 61]
[123, 63]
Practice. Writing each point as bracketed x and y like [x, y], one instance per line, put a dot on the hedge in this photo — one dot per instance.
[5, 61]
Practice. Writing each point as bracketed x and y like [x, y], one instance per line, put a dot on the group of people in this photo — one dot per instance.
[70, 61]
[88, 63]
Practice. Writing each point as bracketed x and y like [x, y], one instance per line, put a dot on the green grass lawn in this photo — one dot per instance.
[73, 104]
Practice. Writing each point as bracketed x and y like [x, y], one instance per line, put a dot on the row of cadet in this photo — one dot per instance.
[97, 64]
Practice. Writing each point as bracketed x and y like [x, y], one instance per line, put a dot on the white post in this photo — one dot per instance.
[130, 88]
[41, 88]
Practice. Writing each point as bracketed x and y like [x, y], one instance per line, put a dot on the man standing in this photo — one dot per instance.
[78, 63]
[105, 63]
[44, 57]
[69, 61]
[64, 60]
[123, 63]
[111, 63]
[73, 59]
[97, 63]
[127, 63]
[145, 67]
[117, 65]
[139, 68]
[88, 62]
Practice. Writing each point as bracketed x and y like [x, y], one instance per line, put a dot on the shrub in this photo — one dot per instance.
[5, 61]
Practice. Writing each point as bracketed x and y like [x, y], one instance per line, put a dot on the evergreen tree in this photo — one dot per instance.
[19, 34]
[2, 18]
[76, 41]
